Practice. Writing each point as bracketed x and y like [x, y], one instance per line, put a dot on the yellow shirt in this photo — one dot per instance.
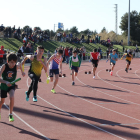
[128, 57]
[36, 66]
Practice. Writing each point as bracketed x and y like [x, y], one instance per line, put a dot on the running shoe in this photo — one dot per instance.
[11, 119]
[48, 80]
[111, 73]
[126, 70]
[34, 99]
[27, 96]
[73, 83]
[93, 77]
[53, 91]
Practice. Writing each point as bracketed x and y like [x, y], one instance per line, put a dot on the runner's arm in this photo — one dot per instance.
[71, 61]
[61, 66]
[79, 61]
[31, 57]
[19, 66]
[50, 59]
[1, 80]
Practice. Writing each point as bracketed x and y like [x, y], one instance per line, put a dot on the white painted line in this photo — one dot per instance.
[121, 124]
[100, 105]
[136, 73]
[123, 78]
[77, 117]
[115, 85]
[113, 95]
[28, 124]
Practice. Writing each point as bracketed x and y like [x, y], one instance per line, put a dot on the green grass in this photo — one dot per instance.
[14, 44]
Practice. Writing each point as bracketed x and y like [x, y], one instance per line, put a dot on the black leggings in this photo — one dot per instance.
[34, 83]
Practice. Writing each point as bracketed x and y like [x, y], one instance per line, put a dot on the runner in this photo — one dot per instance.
[8, 73]
[94, 57]
[129, 57]
[74, 64]
[54, 61]
[37, 64]
[113, 59]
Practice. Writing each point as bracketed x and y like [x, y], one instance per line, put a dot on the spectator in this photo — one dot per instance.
[19, 54]
[84, 52]
[1, 54]
[67, 55]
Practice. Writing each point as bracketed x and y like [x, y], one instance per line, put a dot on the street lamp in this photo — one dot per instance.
[129, 24]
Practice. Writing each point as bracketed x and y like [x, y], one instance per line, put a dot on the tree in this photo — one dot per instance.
[25, 27]
[95, 33]
[103, 30]
[134, 25]
[37, 28]
[86, 32]
[73, 30]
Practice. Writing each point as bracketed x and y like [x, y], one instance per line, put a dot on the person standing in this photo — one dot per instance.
[54, 61]
[113, 59]
[38, 62]
[94, 57]
[8, 73]
[74, 64]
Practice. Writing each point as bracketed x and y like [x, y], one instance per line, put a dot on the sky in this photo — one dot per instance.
[84, 14]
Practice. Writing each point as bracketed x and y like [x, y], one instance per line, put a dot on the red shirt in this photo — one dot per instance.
[66, 52]
[1, 52]
[95, 56]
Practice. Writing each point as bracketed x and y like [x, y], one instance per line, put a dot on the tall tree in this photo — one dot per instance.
[134, 25]
[73, 30]
[103, 30]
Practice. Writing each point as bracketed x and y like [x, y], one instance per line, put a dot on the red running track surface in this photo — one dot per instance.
[104, 108]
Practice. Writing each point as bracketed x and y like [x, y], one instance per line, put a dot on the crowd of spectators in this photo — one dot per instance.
[67, 52]
[35, 35]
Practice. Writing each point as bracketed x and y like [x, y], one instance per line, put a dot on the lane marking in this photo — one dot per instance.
[120, 124]
[28, 124]
[136, 73]
[77, 117]
[115, 85]
[125, 79]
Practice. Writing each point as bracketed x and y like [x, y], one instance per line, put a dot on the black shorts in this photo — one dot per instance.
[75, 69]
[53, 71]
[4, 92]
[129, 62]
[112, 63]
[95, 63]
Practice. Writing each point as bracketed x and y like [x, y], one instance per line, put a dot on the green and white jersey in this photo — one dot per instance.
[75, 61]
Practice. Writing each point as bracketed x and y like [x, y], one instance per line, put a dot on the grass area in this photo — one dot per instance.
[14, 44]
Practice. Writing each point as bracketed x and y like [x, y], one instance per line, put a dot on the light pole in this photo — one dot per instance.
[129, 24]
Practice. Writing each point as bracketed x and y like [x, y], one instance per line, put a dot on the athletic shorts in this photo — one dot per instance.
[95, 63]
[53, 71]
[112, 63]
[75, 69]
[129, 62]
[4, 92]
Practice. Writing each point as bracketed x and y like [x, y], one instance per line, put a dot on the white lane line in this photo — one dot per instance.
[120, 124]
[123, 78]
[113, 95]
[100, 105]
[28, 124]
[77, 117]
[136, 73]
[115, 85]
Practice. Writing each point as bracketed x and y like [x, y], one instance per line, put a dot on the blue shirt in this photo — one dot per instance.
[115, 56]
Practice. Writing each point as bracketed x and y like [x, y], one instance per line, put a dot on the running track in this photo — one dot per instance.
[104, 108]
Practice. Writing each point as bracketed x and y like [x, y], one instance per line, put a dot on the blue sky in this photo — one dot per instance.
[84, 14]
